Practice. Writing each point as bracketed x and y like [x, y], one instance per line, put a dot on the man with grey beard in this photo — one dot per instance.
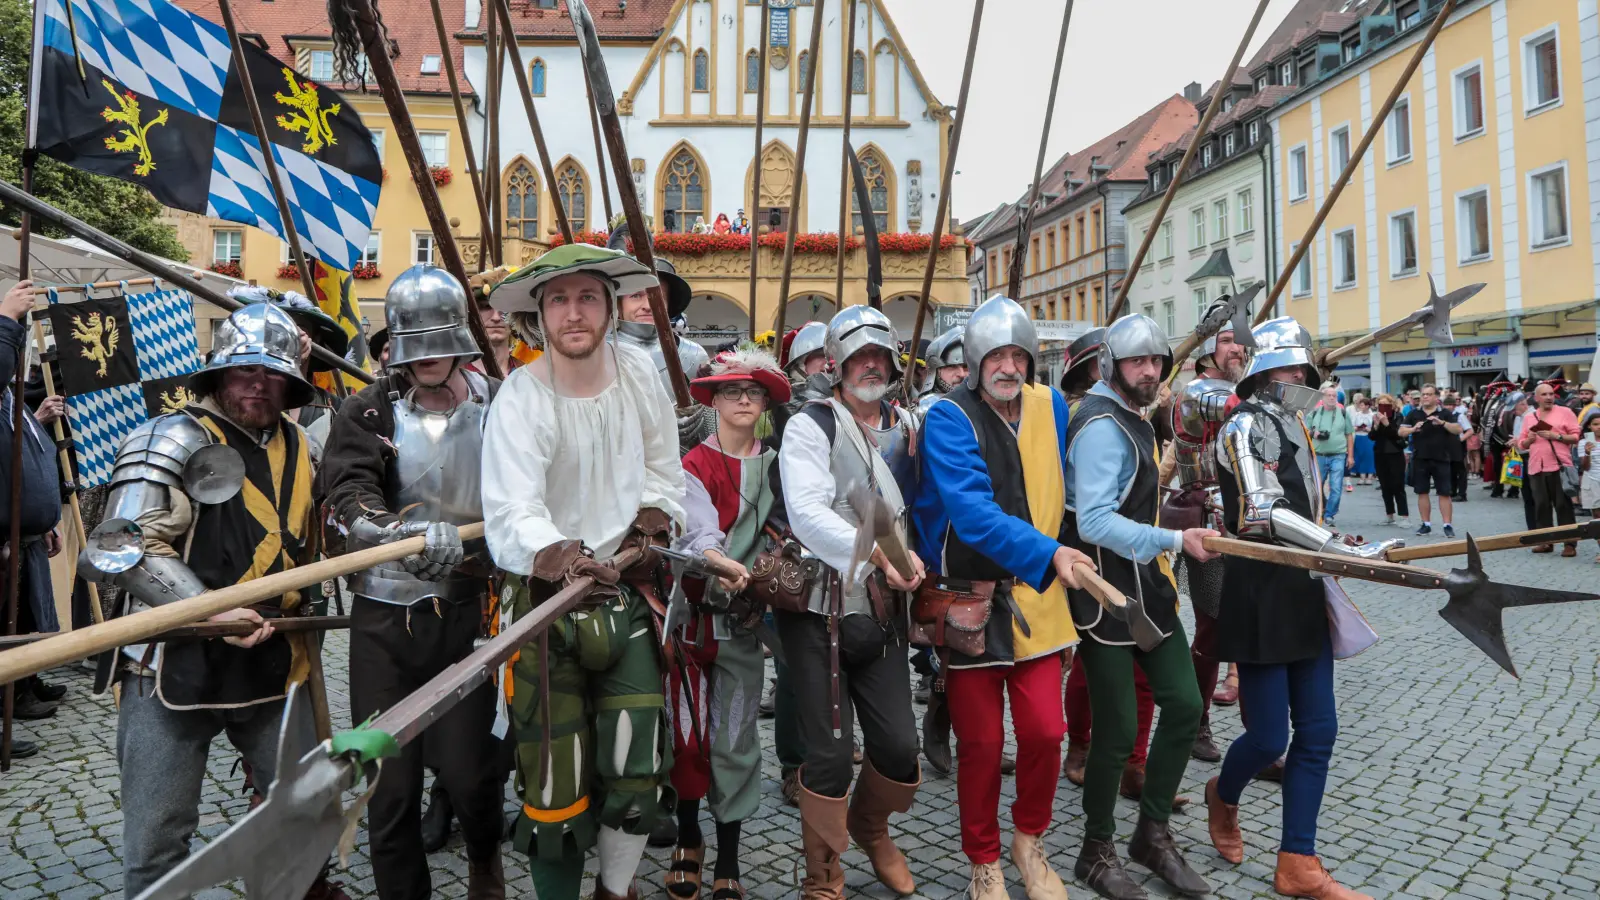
[847, 648]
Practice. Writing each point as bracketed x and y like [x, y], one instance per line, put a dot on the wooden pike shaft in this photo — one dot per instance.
[845, 151]
[508, 40]
[806, 101]
[141, 626]
[1379, 117]
[1025, 221]
[755, 173]
[1329, 563]
[212, 629]
[268, 157]
[943, 207]
[1534, 538]
[394, 100]
[1099, 588]
[447, 61]
[14, 535]
[1200, 132]
[599, 148]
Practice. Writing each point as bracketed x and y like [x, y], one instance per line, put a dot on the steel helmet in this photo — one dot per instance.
[426, 313]
[947, 349]
[1209, 346]
[1280, 342]
[856, 328]
[998, 322]
[256, 334]
[812, 337]
[1129, 337]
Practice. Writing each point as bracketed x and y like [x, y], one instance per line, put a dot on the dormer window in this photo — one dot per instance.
[1227, 144]
[1286, 73]
[1253, 132]
[1227, 103]
[1261, 82]
[1205, 155]
[319, 65]
[430, 63]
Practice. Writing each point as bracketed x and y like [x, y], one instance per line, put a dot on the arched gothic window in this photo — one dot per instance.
[802, 70]
[537, 78]
[858, 73]
[522, 203]
[683, 192]
[752, 72]
[702, 71]
[574, 195]
[873, 166]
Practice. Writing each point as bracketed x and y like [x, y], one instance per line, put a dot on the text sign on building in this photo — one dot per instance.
[1484, 358]
[1061, 331]
[778, 35]
[948, 317]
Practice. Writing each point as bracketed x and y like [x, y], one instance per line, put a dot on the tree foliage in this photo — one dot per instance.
[116, 207]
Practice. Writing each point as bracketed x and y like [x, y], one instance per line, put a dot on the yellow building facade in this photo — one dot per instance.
[1480, 174]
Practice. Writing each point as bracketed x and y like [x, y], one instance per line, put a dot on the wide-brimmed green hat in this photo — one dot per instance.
[621, 272]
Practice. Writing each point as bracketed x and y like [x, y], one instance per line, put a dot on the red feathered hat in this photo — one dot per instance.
[742, 365]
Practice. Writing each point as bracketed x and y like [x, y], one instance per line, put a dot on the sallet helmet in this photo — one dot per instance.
[948, 349]
[256, 334]
[856, 328]
[811, 338]
[1130, 337]
[998, 322]
[426, 314]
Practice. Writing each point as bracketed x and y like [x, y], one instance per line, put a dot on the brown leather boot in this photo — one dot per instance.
[600, 892]
[823, 837]
[1304, 876]
[876, 797]
[486, 880]
[1076, 762]
[1222, 820]
[1152, 847]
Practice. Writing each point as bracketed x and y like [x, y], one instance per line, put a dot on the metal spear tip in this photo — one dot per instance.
[1435, 317]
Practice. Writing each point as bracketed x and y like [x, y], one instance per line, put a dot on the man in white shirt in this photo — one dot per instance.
[580, 461]
[847, 650]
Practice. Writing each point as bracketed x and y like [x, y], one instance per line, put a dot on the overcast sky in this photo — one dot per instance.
[1123, 57]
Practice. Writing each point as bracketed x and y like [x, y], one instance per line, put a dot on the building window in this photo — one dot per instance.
[1155, 179]
[538, 78]
[877, 173]
[435, 147]
[370, 255]
[1472, 225]
[702, 72]
[1261, 82]
[1197, 228]
[802, 70]
[1409, 14]
[1247, 215]
[1350, 50]
[683, 194]
[1219, 213]
[858, 73]
[1205, 155]
[1094, 233]
[1344, 258]
[1402, 244]
[1541, 56]
[1227, 144]
[1098, 303]
[1308, 70]
[1339, 147]
[1302, 273]
[1469, 101]
[227, 245]
[752, 72]
[319, 65]
[1298, 180]
[422, 248]
[377, 141]
[430, 64]
[1166, 239]
[1150, 312]
[1200, 304]
[1050, 243]
[1082, 247]
[573, 194]
[522, 203]
[1253, 133]
[1286, 73]
[1033, 257]
[1168, 311]
[1399, 131]
[1547, 200]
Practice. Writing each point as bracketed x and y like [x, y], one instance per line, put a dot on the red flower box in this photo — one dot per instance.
[441, 175]
[289, 272]
[230, 269]
[366, 271]
[596, 238]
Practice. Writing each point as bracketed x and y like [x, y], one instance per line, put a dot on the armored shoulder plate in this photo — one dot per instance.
[158, 450]
[1203, 401]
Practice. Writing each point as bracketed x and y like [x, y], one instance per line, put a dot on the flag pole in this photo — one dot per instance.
[241, 65]
[13, 608]
[755, 171]
[447, 61]
[508, 40]
[368, 23]
[844, 159]
[943, 209]
[800, 168]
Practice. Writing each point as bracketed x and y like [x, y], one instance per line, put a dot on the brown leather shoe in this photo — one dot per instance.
[1273, 773]
[600, 892]
[1569, 550]
[1076, 762]
[486, 880]
[1545, 548]
[1205, 749]
[1152, 847]
[1304, 876]
[868, 822]
[823, 837]
[1222, 820]
[1132, 781]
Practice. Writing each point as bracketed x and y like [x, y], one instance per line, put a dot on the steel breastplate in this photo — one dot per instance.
[1197, 463]
[436, 477]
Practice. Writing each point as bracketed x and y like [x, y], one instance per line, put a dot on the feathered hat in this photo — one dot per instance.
[747, 364]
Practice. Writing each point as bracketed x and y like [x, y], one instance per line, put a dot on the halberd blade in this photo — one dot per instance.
[1476, 605]
[1240, 316]
[281, 846]
[1436, 319]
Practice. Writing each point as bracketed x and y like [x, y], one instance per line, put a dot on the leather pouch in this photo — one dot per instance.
[952, 614]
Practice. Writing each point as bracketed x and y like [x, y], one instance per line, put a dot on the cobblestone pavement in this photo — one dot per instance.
[1450, 779]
